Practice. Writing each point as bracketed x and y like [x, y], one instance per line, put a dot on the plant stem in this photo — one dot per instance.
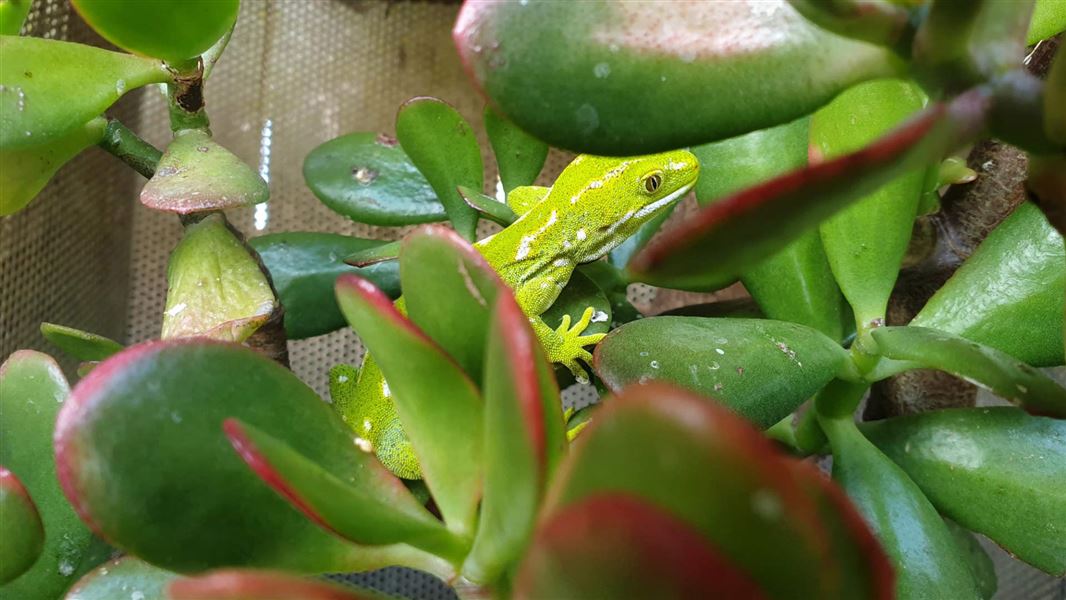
[185, 97]
[128, 147]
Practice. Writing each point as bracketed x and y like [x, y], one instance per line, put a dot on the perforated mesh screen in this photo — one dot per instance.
[297, 73]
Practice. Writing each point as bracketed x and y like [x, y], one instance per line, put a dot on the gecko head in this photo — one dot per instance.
[616, 195]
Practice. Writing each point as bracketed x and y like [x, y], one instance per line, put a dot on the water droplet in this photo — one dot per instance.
[364, 175]
[175, 416]
[654, 364]
[719, 351]
[601, 70]
[66, 568]
[120, 86]
[599, 317]
[137, 595]
[202, 149]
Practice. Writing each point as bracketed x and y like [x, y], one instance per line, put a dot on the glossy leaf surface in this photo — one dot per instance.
[215, 288]
[762, 370]
[51, 87]
[372, 508]
[196, 174]
[28, 169]
[751, 225]
[439, 406]
[125, 577]
[927, 560]
[981, 565]
[32, 391]
[1049, 18]
[795, 284]
[169, 29]
[12, 15]
[141, 409]
[233, 584]
[488, 207]
[618, 546]
[999, 372]
[443, 147]
[649, 441]
[524, 441]
[23, 532]
[1009, 293]
[304, 266]
[633, 79]
[866, 241]
[368, 178]
[997, 471]
[82, 345]
[519, 156]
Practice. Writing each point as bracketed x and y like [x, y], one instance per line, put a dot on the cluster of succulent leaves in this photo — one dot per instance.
[195, 453]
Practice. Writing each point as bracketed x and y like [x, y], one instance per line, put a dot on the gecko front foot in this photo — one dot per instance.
[569, 347]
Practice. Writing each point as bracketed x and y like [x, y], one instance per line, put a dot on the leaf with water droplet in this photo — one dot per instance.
[122, 578]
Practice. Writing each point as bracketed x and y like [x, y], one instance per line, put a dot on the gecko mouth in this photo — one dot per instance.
[665, 201]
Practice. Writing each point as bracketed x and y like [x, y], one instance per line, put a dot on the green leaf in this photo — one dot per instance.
[751, 225]
[79, 344]
[761, 369]
[1049, 18]
[27, 169]
[981, 565]
[795, 284]
[618, 546]
[998, 371]
[524, 441]
[488, 207]
[12, 15]
[142, 410]
[650, 441]
[196, 174]
[236, 584]
[927, 560]
[996, 471]
[374, 255]
[449, 290]
[215, 288]
[1055, 97]
[368, 178]
[21, 524]
[865, 242]
[304, 266]
[443, 147]
[623, 88]
[48, 88]
[172, 30]
[519, 156]
[32, 390]
[125, 577]
[369, 506]
[438, 405]
[1009, 293]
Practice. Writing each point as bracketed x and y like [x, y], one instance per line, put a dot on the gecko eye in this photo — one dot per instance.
[653, 182]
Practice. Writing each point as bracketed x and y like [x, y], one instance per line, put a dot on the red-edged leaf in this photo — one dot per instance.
[753, 224]
[619, 546]
[439, 406]
[259, 585]
[23, 532]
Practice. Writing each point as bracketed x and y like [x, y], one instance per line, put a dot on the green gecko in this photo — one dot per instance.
[595, 204]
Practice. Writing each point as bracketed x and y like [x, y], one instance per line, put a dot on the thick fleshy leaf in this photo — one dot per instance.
[981, 565]
[443, 147]
[795, 284]
[1049, 18]
[928, 562]
[519, 156]
[12, 15]
[32, 390]
[375, 255]
[49, 88]
[651, 440]
[751, 225]
[865, 242]
[524, 440]
[304, 266]
[1009, 293]
[79, 344]
[215, 288]
[618, 546]
[996, 471]
[439, 406]
[196, 174]
[991, 368]
[27, 169]
[235, 584]
[488, 207]
[173, 30]
[762, 370]
[141, 411]
[623, 88]
[374, 508]
[368, 178]
[449, 291]
[125, 577]
[23, 532]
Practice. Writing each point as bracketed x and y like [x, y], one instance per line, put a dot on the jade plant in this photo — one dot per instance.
[198, 466]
